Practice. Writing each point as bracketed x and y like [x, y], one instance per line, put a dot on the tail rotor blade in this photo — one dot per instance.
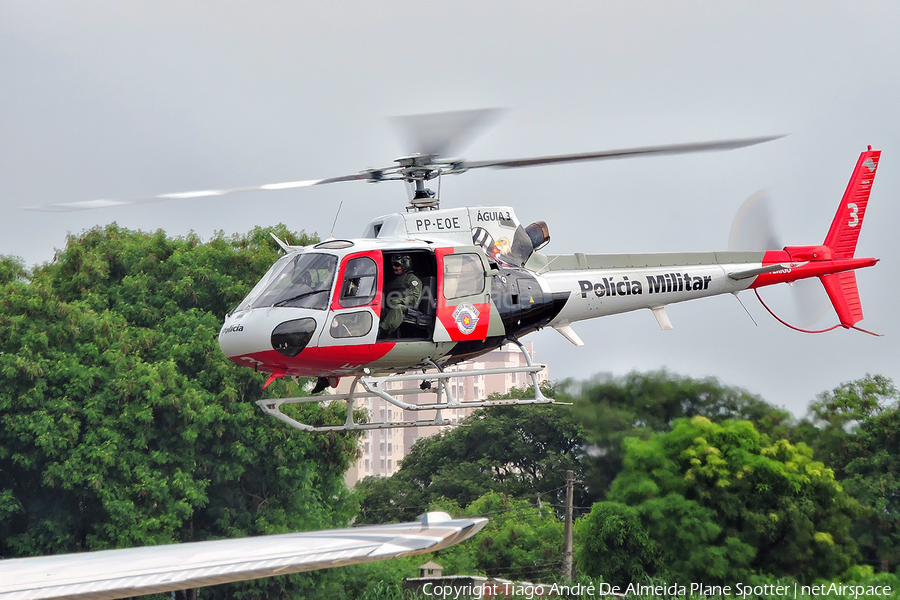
[811, 302]
[753, 228]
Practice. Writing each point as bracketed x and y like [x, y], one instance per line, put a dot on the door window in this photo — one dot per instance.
[351, 324]
[360, 282]
[463, 275]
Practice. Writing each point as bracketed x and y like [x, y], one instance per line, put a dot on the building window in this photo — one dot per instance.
[390, 448]
[367, 449]
[389, 465]
[368, 468]
[381, 449]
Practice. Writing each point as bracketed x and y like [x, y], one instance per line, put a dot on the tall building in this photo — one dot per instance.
[383, 449]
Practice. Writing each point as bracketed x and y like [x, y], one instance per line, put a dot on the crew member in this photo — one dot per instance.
[400, 294]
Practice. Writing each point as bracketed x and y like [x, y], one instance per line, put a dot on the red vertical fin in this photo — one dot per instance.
[842, 291]
[848, 220]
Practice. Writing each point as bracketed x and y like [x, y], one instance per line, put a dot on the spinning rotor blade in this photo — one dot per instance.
[753, 229]
[810, 301]
[90, 204]
[432, 135]
[627, 152]
[437, 133]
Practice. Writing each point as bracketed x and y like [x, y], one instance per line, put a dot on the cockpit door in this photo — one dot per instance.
[463, 298]
[356, 305]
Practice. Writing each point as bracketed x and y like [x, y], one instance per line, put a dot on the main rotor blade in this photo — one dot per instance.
[437, 133]
[287, 185]
[609, 154]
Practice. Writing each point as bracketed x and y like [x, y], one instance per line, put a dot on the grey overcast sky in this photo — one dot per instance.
[127, 99]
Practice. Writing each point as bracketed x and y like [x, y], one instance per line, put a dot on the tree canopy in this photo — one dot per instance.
[123, 424]
[722, 501]
[521, 452]
[640, 404]
[612, 543]
[854, 428]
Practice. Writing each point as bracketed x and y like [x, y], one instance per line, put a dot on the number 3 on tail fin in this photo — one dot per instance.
[854, 214]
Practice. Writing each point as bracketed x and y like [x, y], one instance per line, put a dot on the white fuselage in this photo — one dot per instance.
[601, 292]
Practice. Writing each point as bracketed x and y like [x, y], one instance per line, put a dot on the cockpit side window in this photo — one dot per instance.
[304, 282]
[360, 282]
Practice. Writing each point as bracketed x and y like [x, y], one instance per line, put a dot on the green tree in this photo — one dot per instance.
[525, 451]
[722, 500]
[611, 542]
[518, 451]
[640, 404]
[123, 424]
[520, 541]
[835, 416]
[12, 269]
[854, 428]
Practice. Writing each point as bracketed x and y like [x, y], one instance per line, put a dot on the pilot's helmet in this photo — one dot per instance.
[402, 261]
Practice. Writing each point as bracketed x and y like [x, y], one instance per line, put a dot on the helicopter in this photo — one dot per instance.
[476, 279]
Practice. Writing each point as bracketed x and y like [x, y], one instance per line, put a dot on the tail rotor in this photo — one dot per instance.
[753, 230]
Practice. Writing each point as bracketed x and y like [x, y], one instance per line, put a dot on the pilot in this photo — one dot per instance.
[400, 294]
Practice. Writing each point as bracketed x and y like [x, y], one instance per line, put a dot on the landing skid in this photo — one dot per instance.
[378, 387]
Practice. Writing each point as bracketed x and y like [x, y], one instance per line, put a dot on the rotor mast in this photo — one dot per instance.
[417, 169]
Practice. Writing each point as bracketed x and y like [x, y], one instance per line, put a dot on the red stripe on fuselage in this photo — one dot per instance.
[330, 361]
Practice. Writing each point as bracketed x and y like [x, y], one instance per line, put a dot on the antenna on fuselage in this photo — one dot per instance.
[331, 234]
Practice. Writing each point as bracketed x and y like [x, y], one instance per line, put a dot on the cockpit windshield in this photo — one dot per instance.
[302, 281]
